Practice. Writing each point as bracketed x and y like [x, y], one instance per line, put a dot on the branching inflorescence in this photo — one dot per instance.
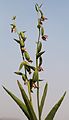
[30, 73]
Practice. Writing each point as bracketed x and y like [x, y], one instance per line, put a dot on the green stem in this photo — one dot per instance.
[39, 35]
[38, 78]
[28, 85]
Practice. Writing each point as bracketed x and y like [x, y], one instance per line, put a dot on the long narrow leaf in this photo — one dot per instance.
[43, 98]
[39, 54]
[17, 40]
[21, 65]
[19, 103]
[52, 113]
[27, 102]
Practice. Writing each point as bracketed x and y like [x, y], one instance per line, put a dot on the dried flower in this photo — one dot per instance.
[34, 85]
[14, 17]
[13, 28]
[44, 37]
[40, 69]
[43, 18]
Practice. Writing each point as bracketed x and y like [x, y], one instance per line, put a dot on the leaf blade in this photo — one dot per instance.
[19, 103]
[53, 111]
[17, 40]
[21, 65]
[43, 98]
[27, 102]
[39, 46]
[39, 54]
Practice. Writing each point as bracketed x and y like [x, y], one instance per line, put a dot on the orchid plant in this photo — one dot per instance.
[30, 73]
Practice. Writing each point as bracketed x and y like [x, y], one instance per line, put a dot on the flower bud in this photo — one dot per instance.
[27, 56]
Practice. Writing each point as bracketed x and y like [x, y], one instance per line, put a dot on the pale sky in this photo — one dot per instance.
[56, 58]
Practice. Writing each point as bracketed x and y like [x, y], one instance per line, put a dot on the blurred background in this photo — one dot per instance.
[56, 58]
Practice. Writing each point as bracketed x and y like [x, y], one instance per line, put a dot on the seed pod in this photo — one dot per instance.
[25, 63]
[22, 35]
[35, 76]
[21, 65]
[39, 46]
[24, 78]
[42, 31]
[40, 61]
[27, 56]
[22, 43]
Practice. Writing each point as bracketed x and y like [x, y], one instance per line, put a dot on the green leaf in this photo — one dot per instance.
[24, 77]
[42, 31]
[17, 40]
[43, 98]
[28, 65]
[18, 73]
[21, 65]
[53, 111]
[32, 67]
[36, 7]
[39, 54]
[27, 102]
[41, 12]
[40, 61]
[19, 103]
[35, 81]
[35, 76]
[28, 69]
[29, 91]
[39, 46]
